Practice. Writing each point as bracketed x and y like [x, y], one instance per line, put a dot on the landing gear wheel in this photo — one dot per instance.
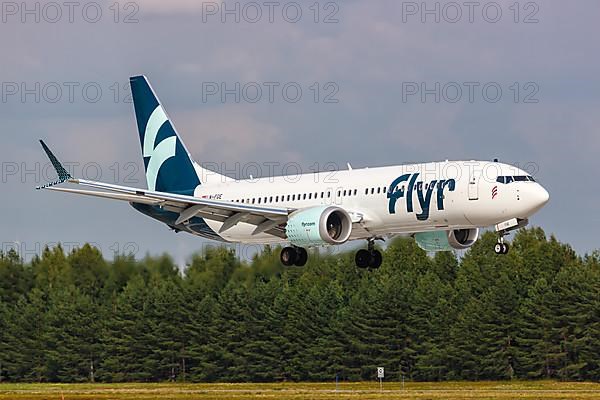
[375, 259]
[362, 258]
[301, 256]
[498, 248]
[501, 248]
[288, 256]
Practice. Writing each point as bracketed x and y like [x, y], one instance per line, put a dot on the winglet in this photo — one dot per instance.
[63, 175]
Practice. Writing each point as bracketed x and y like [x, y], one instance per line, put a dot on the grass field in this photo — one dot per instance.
[288, 391]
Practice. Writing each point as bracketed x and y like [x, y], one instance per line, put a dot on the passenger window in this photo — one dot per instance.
[322, 194]
[304, 197]
[372, 190]
[378, 190]
[271, 199]
[339, 193]
[355, 191]
[328, 194]
[310, 196]
[385, 189]
[367, 191]
[344, 192]
[293, 197]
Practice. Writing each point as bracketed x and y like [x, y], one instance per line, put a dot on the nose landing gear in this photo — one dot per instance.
[501, 247]
[504, 228]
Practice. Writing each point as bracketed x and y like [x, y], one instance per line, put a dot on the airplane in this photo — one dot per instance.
[442, 205]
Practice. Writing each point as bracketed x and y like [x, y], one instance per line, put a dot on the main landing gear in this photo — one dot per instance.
[368, 258]
[293, 256]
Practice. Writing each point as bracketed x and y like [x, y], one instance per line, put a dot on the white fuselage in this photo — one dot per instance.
[424, 197]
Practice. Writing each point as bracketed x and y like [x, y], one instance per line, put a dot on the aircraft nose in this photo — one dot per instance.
[542, 195]
[538, 197]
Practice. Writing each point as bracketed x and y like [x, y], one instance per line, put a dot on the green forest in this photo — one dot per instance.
[78, 317]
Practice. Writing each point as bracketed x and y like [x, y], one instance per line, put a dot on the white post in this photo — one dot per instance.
[380, 375]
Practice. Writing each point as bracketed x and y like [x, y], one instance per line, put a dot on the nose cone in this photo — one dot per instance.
[537, 197]
[544, 196]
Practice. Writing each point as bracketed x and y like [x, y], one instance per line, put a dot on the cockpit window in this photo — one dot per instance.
[515, 178]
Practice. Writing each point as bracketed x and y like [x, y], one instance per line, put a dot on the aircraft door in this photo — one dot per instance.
[474, 185]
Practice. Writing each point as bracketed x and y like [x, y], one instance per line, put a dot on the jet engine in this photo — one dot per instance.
[319, 225]
[457, 239]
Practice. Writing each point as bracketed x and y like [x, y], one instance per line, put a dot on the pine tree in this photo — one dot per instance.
[126, 357]
[429, 320]
[71, 339]
[16, 279]
[24, 359]
[376, 332]
[90, 272]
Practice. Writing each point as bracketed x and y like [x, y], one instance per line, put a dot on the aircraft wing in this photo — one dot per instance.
[269, 219]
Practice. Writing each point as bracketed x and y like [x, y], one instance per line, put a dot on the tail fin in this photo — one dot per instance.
[169, 166]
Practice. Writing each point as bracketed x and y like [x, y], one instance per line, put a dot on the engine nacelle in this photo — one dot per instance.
[317, 226]
[461, 239]
[457, 239]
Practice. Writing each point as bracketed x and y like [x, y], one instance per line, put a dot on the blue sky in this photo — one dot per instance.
[63, 80]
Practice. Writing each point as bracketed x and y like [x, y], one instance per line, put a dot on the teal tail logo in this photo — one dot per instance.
[169, 167]
[163, 150]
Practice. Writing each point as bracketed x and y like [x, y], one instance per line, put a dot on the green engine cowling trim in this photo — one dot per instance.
[433, 241]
